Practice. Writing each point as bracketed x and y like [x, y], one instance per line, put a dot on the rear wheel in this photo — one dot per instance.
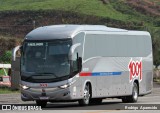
[133, 97]
[41, 103]
[87, 95]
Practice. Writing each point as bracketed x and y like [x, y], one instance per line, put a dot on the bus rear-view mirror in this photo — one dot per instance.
[72, 49]
[14, 51]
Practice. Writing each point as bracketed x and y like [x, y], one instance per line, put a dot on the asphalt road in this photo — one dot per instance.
[151, 101]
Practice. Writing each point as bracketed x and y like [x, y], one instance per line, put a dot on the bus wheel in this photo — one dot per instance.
[85, 100]
[41, 103]
[134, 96]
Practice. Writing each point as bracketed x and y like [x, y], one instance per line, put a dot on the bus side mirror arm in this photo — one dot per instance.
[14, 51]
[72, 49]
[79, 64]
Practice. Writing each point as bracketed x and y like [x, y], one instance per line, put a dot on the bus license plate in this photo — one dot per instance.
[43, 98]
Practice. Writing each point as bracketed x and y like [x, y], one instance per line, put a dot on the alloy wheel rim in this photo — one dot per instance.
[86, 95]
[135, 93]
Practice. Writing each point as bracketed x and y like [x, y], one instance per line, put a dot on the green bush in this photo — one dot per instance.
[6, 57]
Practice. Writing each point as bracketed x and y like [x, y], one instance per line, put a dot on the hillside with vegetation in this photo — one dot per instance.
[18, 17]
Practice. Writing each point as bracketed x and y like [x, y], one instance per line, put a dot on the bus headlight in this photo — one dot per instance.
[64, 86]
[67, 85]
[24, 87]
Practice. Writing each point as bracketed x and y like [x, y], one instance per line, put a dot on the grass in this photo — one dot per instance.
[155, 1]
[116, 9]
[92, 7]
[89, 7]
[2, 72]
[6, 90]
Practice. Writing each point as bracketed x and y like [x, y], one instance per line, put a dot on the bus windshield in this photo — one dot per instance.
[44, 61]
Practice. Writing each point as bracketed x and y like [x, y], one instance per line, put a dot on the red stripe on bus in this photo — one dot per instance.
[85, 74]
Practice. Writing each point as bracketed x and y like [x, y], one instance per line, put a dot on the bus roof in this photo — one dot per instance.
[66, 31]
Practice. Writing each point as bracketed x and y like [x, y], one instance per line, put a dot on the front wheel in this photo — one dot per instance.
[133, 97]
[86, 98]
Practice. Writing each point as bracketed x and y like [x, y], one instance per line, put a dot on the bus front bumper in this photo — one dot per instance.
[47, 94]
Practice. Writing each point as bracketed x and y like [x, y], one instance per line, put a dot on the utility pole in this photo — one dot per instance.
[34, 24]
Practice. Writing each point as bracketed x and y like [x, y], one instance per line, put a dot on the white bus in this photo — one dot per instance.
[85, 63]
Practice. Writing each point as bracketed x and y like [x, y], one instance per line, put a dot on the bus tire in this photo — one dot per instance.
[87, 95]
[95, 101]
[43, 104]
[134, 97]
